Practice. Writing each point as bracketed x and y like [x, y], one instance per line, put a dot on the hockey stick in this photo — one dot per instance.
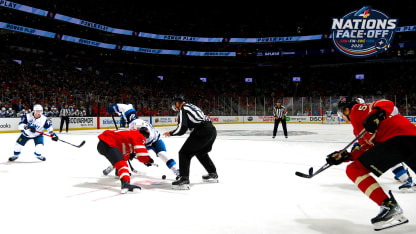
[327, 165]
[59, 139]
[114, 121]
[110, 168]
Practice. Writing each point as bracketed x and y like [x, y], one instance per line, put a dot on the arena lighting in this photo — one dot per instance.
[296, 79]
[359, 76]
[248, 80]
[17, 61]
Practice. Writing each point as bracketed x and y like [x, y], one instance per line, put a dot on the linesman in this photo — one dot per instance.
[199, 142]
[279, 113]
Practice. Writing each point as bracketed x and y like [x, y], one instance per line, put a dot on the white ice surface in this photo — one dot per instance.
[258, 190]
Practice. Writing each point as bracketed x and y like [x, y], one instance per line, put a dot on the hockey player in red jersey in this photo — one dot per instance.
[388, 141]
[118, 146]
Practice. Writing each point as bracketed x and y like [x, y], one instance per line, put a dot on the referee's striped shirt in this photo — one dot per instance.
[189, 117]
[279, 112]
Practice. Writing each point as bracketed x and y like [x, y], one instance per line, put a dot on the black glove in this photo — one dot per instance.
[337, 157]
[54, 137]
[32, 127]
[132, 155]
[373, 120]
[148, 164]
[111, 109]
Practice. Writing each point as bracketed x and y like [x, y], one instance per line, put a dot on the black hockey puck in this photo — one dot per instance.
[163, 177]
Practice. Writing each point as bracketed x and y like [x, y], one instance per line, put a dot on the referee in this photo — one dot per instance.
[279, 113]
[198, 144]
[64, 114]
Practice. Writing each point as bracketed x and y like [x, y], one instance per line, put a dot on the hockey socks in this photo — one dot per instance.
[124, 175]
[365, 182]
[123, 171]
[170, 163]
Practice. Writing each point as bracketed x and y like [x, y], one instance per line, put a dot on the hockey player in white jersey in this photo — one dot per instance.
[153, 142]
[3, 113]
[31, 124]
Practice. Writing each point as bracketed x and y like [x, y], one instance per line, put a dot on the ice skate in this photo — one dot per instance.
[181, 184]
[210, 177]
[12, 158]
[408, 186]
[390, 215]
[40, 157]
[127, 187]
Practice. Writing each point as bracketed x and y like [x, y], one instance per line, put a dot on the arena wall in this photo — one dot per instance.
[8, 125]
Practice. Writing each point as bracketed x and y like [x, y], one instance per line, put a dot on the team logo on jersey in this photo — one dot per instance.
[363, 33]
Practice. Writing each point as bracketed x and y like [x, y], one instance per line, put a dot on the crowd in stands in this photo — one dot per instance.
[89, 87]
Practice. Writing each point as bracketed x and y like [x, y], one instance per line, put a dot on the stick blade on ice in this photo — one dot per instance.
[300, 174]
[82, 143]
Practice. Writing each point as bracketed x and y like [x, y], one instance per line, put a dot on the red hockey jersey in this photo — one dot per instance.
[394, 124]
[127, 141]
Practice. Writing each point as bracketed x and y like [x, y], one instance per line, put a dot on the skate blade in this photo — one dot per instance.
[394, 221]
[408, 190]
[181, 187]
[126, 190]
[211, 180]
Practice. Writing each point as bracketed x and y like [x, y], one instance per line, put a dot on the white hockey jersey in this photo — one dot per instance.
[126, 110]
[41, 123]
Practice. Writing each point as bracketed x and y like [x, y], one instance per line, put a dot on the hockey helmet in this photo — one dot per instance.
[347, 102]
[145, 132]
[138, 123]
[37, 110]
[38, 107]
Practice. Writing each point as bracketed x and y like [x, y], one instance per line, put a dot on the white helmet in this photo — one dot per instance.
[138, 123]
[37, 107]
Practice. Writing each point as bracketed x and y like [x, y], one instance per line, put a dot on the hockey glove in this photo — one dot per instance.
[111, 109]
[54, 137]
[337, 157]
[150, 162]
[373, 120]
[132, 156]
[32, 127]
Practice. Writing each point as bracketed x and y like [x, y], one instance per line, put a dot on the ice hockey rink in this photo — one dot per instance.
[258, 190]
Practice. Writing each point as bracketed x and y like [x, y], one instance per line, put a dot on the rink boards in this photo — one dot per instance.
[8, 125]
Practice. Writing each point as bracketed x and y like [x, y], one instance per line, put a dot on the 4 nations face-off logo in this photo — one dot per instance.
[363, 33]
